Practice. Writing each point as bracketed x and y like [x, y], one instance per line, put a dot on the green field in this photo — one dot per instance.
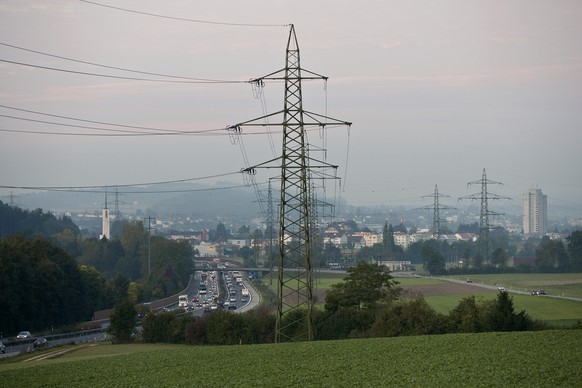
[560, 312]
[525, 359]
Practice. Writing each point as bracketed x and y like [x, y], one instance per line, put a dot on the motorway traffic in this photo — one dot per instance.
[213, 289]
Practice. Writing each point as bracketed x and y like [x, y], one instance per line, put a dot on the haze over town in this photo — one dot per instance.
[436, 93]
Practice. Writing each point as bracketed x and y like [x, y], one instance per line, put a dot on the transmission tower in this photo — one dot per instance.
[270, 228]
[484, 196]
[295, 297]
[436, 207]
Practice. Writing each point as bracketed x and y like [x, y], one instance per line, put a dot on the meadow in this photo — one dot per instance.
[443, 295]
[519, 359]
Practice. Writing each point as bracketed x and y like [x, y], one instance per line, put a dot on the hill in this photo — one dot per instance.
[541, 359]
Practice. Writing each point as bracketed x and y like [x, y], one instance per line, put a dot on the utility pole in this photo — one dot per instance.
[484, 196]
[150, 219]
[295, 297]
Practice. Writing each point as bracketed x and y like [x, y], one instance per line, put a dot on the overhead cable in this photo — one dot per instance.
[121, 185]
[184, 19]
[122, 77]
[205, 80]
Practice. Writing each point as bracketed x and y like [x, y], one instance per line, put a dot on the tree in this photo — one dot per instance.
[574, 244]
[247, 255]
[433, 261]
[331, 254]
[502, 316]
[40, 286]
[499, 257]
[221, 233]
[467, 316]
[244, 231]
[122, 322]
[163, 327]
[551, 256]
[410, 317]
[363, 287]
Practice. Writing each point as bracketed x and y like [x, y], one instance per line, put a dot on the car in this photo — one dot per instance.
[542, 292]
[40, 342]
[501, 288]
[243, 300]
[24, 335]
[469, 281]
[2, 348]
[534, 292]
[232, 306]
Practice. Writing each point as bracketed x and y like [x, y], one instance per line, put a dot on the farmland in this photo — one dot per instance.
[445, 295]
[542, 359]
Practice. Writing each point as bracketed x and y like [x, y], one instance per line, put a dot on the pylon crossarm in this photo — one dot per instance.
[314, 116]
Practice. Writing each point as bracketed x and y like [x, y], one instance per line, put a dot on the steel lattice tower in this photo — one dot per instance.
[436, 207]
[484, 196]
[295, 297]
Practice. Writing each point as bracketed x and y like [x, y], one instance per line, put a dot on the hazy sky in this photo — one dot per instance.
[436, 91]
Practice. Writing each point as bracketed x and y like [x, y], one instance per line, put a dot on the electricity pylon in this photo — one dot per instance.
[436, 207]
[295, 298]
[484, 196]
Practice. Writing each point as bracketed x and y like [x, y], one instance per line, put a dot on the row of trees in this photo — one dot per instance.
[365, 304]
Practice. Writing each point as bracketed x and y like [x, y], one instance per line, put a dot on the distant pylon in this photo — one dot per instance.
[436, 207]
[484, 196]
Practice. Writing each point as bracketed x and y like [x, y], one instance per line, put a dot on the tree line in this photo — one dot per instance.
[366, 304]
[50, 276]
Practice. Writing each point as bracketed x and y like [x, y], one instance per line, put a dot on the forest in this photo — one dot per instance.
[50, 277]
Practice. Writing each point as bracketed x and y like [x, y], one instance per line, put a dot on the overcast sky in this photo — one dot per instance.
[436, 91]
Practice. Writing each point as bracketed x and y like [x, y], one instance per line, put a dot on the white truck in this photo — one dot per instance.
[183, 301]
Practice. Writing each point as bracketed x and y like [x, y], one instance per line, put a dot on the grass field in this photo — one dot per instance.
[444, 296]
[540, 359]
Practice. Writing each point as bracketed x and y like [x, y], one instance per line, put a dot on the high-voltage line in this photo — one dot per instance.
[295, 297]
[484, 196]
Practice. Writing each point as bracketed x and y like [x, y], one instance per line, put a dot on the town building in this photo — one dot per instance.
[535, 212]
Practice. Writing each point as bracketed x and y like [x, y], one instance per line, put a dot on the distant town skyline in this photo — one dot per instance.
[436, 93]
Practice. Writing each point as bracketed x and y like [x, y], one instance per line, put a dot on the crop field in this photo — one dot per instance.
[525, 359]
[444, 296]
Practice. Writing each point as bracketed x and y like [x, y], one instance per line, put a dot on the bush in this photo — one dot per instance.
[343, 324]
[408, 317]
[123, 320]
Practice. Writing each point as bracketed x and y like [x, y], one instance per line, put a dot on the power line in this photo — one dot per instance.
[205, 80]
[56, 188]
[95, 122]
[124, 132]
[184, 19]
[121, 77]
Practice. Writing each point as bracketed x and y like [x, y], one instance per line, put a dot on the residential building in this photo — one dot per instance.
[535, 212]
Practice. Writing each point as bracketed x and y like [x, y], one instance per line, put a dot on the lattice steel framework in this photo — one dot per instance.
[484, 196]
[436, 208]
[295, 297]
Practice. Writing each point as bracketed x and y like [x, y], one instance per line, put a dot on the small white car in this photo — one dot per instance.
[24, 335]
